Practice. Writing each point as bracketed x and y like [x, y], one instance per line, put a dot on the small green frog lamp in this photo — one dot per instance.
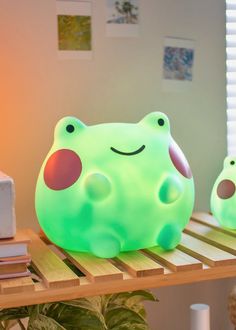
[223, 196]
[114, 187]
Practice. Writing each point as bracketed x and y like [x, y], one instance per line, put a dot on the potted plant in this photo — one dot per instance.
[120, 311]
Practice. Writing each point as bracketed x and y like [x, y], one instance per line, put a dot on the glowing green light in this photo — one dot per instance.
[114, 187]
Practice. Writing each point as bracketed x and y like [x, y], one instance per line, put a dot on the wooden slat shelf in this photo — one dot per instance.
[206, 252]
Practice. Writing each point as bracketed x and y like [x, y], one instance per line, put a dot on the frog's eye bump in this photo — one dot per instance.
[232, 162]
[161, 122]
[70, 128]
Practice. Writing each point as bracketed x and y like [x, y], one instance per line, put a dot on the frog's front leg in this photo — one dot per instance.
[169, 236]
[105, 245]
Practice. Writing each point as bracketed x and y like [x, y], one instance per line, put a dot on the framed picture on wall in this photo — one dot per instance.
[122, 18]
[178, 63]
[74, 37]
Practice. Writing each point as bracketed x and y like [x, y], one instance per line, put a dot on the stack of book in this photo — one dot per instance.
[14, 256]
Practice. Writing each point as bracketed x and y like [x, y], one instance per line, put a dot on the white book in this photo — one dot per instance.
[7, 206]
[13, 250]
[16, 246]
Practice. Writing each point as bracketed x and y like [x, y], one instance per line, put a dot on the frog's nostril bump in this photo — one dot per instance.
[62, 169]
[225, 189]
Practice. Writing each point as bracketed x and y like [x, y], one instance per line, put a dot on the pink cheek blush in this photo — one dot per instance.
[225, 189]
[62, 170]
[179, 161]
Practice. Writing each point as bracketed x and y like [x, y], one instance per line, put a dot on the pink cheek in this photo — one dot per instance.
[179, 161]
[62, 169]
[225, 189]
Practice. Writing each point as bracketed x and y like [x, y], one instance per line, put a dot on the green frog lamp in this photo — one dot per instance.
[114, 187]
[223, 197]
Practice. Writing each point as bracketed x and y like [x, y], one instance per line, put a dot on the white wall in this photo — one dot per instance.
[121, 83]
[172, 311]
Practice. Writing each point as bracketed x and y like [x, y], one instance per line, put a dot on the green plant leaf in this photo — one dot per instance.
[92, 303]
[118, 316]
[34, 312]
[44, 308]
[89, 306]
[13, 313]
[75, 317]
[96, 302]
[134, 326]
[121, 311]
[131, 300]
[54, 311]
[42, 322]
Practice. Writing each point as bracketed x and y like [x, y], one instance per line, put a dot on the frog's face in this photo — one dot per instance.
[78, 147]
[226, 185]
[223, 197]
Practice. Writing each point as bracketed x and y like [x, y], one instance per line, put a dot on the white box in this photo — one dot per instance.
[7, 206]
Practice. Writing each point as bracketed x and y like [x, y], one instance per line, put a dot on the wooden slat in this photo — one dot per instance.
[207, 253]
[50, 267]
[212, 236]
[175, 260]
[96, 269]
[106, 287]
[209, 220]
[206, 243]
[17, 285]
[137, 264]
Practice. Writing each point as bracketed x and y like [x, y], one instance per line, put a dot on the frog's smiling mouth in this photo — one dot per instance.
[129, 153]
